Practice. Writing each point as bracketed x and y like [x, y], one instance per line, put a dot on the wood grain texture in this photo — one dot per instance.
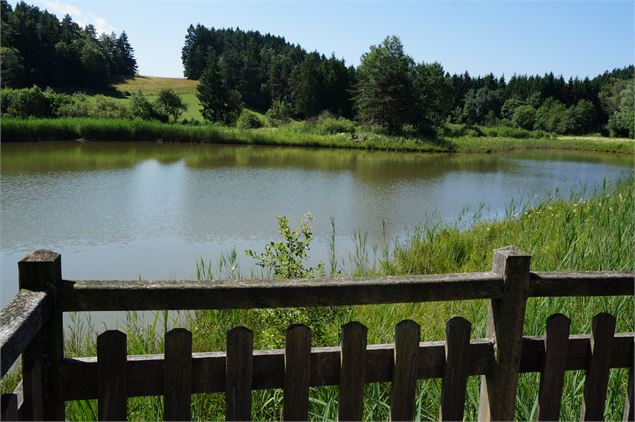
[552, 376]
[591, 283]
[239, 374]
[33, 382]
[297, 373]
[235, 294]
[506, 318]
[40, 270]
[352, 372]
[177, 375]
[20, 321]
[597, 375]
[145, 372]
[98, 295]
[112, 383]
[41, 360]
[404, 381]
[455, 370]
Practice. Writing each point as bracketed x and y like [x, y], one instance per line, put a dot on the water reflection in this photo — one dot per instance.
[123, 210]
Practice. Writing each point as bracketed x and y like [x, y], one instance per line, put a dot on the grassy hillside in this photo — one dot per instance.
[151, 85]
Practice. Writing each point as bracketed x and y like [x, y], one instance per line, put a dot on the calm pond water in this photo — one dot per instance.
[124, 211]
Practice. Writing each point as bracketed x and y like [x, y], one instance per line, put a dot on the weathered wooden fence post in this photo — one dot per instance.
[506, 318]
[42, 271]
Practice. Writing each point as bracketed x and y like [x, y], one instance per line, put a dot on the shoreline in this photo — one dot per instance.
[109, 130]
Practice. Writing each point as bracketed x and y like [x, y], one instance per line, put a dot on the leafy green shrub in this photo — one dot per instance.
[452, 130]
[513, 132]
[140, 107]
[286, 258]
[106, 108]
[326, 124]
[26, 102]
[279, 113]
[56, 101]
[249, 120]
[168, 106]
[77, 106]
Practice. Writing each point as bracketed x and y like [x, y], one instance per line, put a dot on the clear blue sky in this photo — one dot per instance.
[572, 38]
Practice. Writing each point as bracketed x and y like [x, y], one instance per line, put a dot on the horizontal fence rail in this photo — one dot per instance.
[237, 294]
[32, 328]
[97, 295]
[20, 321]
[590, 283]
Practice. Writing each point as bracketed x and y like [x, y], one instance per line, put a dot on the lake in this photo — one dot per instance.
[129, 211]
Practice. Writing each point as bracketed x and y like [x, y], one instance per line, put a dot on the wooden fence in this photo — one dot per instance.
[31, 326]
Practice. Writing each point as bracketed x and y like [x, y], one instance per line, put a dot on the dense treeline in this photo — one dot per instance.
[390, 90]
[38, 48]
[264, 69]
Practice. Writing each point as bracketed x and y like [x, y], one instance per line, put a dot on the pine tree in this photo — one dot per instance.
[128, 63]
[219, 104]
[383, 93]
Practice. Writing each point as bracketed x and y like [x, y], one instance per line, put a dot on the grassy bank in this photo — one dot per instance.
[562, 234]
[27, 130]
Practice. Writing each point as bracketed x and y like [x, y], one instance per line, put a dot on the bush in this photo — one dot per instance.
[77, 106]
[453, 130]
[106, 108]
[26, 102]
[279, 113]
[140, 107]
[249, 120]
[286, 258]
[168, 106]
[326, 124]
[512, 132]
[57, 101]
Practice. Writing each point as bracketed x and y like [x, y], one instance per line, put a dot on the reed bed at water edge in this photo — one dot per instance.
[125, 130]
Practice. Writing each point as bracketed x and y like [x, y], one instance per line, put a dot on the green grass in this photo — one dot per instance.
[25, 130]
[151, 85]
[561, 234]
